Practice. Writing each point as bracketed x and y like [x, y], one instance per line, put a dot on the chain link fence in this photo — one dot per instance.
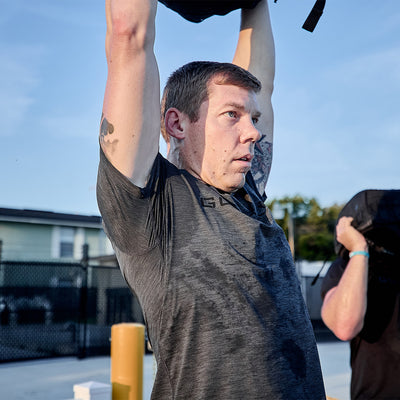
[50, 309]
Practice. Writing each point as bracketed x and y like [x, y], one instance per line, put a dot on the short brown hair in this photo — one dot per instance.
[187, 87]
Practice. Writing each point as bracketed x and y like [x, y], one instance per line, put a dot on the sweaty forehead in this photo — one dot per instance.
[215, 88]
[236, 96]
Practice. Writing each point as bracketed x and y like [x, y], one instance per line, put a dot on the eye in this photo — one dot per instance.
[255, 120]
[231, 114]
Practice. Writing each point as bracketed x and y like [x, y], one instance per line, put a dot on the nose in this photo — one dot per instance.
[250, 133]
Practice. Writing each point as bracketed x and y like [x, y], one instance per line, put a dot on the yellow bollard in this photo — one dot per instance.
[127, 351]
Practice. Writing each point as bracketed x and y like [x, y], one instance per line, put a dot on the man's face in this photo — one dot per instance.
[219, 146]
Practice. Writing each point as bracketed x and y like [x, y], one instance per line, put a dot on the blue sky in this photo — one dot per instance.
[336, 99]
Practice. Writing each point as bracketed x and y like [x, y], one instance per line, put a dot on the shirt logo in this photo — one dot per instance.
[212, 202]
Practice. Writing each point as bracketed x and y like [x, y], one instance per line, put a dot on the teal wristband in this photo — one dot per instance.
[361, 253]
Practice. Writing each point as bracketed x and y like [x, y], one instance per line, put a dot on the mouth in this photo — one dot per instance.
[246, 158]
[244, 161]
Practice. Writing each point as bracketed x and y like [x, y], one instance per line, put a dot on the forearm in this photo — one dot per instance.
[130, 27]
[255, 50]
[109, 28]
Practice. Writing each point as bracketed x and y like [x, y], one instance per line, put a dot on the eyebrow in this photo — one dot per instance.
[241, 107]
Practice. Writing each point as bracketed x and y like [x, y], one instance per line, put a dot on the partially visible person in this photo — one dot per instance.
[361, 294]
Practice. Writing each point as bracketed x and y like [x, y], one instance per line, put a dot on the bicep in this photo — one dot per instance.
[328, 310]
[328, 295]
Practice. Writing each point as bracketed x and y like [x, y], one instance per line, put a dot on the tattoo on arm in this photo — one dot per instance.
[107, 129]
[261, 165]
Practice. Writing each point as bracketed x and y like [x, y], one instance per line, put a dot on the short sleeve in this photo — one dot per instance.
[126, 209]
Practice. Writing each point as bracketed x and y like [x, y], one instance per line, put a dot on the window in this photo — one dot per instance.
[66, 242]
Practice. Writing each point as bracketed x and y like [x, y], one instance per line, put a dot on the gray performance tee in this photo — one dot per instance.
[215, 278]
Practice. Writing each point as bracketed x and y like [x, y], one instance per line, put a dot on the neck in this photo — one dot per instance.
[173, 156]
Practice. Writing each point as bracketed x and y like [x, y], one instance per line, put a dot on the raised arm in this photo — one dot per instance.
[130, 124]
[344, 306]
[256, 53]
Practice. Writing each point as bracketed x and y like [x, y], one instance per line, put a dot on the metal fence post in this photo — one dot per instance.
[83, 303]
[1, 265]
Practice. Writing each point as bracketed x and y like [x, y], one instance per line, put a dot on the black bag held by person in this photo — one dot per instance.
[199, 10]
[376, 215]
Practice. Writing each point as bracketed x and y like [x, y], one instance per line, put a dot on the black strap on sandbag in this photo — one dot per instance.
[314, 16]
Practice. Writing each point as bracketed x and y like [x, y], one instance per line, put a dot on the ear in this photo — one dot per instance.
[175, 123]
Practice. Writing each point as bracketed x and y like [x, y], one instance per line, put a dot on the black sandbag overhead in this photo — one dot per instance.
[199, 10]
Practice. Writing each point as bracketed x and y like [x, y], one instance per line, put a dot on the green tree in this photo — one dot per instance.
[308, 227]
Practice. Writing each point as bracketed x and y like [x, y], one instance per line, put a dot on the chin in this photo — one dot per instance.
[228, 185]
[233, 188]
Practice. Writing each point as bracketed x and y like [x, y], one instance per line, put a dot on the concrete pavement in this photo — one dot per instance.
[53, 379]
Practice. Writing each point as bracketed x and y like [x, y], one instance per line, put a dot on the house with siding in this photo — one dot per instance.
[65, 303]
[45, 235]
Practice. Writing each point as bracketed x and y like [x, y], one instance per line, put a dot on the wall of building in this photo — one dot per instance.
[37, 241]
[24, 241]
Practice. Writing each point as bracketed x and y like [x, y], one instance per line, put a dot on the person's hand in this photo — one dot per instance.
[350, 237]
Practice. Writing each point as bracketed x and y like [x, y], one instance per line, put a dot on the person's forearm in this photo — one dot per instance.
[130, 21]
[256, 50]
